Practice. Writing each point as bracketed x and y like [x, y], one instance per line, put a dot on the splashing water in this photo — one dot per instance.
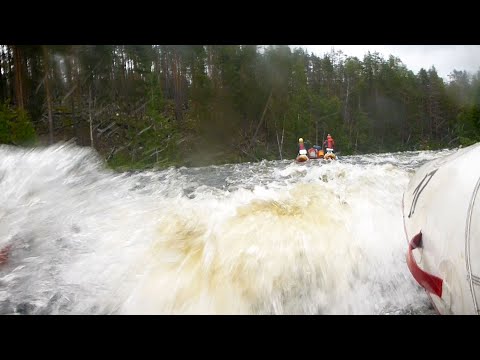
[273, 237]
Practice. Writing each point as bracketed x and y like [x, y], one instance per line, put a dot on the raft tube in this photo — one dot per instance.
[441, 214]
[301, 158]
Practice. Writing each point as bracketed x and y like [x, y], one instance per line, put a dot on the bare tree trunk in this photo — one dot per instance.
[11, 89]
[430, 114]
[280, 142]
[18, 65]
[177, 86]
[283, 133]
[263, 116]
[47, 92]
[73, 86]
[90, 114]
[346, 101]
[157, 66]
[209, 50]
[350, 131]
[3, 83]
[124, 74]
[356, 141]
[164, 62]
[78, 96]
[74, 120]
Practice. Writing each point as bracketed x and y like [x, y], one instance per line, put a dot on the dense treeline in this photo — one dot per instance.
[158, 105]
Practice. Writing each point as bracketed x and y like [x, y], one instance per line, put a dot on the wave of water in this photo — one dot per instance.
[273, 237]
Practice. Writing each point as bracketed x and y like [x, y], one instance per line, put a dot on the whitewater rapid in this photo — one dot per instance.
[273, 237]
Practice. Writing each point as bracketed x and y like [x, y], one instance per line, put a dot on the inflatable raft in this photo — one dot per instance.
[330, 155]
[441, 214]
[301, 158]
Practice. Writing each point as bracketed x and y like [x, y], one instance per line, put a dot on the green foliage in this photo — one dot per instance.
[15, 126]
[154, 139]
[468, 125]
[163, 105]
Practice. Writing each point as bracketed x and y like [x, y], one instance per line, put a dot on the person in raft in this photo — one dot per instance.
[301, 148]
[329, 144]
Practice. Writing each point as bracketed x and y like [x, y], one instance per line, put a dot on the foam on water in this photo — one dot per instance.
[255, 238]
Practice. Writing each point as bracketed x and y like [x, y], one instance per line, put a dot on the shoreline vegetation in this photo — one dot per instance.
[155, 106]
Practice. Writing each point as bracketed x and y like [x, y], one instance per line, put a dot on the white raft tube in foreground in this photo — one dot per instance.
[441, 211]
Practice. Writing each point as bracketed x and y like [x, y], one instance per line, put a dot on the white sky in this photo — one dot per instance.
[445, 58]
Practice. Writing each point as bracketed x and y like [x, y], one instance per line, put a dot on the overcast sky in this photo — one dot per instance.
[445, 58]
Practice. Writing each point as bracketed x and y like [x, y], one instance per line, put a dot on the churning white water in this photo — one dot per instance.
[257, 238]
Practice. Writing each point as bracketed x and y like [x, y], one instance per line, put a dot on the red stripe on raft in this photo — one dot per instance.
[429, 282]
